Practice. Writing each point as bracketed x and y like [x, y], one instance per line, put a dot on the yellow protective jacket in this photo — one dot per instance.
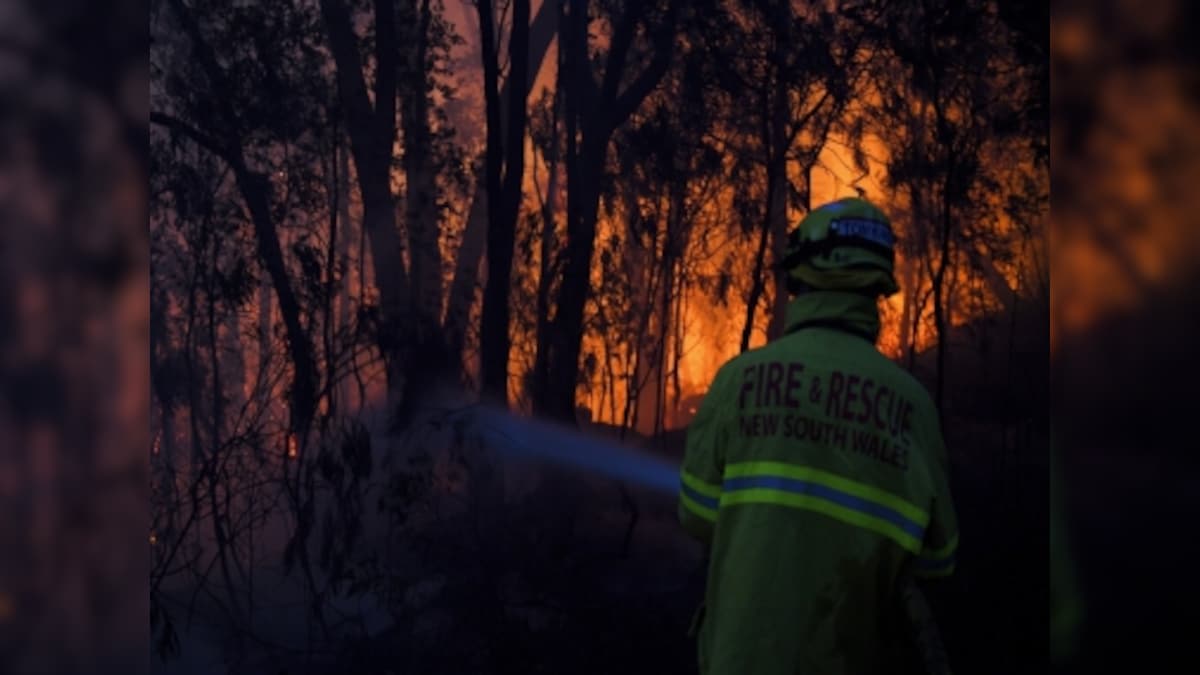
[816, 471]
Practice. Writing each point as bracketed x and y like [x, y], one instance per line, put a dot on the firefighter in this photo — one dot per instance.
[816, 474]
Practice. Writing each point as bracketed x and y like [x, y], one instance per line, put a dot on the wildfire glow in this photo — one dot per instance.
[702, 334]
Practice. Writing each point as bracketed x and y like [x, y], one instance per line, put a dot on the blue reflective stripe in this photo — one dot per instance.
[708, 502]
[830, 494]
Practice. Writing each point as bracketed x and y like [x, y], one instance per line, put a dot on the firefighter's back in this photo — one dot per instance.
[815, 469]
[825, 496]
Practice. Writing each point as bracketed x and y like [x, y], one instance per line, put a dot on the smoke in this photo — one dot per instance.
[527, 438]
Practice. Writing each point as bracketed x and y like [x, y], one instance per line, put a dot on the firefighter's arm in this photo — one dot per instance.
[940, 550]
[703, 466]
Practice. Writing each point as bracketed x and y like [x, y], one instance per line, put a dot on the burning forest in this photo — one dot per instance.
[438, 286]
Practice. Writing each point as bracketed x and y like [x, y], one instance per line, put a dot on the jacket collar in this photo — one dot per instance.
[848, 312]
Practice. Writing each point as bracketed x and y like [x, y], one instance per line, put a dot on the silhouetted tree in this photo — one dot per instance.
[474, 238]
[798, 71]
[944, 100]
[593, 111]
[223, 106]
[505, 174]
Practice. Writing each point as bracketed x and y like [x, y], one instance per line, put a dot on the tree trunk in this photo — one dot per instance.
[777, 216]
[420, 204]
[549, 392]
[664, 326]
[664, 299]
[939, 278]
[647, 364]
[545, 279]
[474, 237]
[759, 277]
[908, 298]
[217, 413]
[924, 255]
[265, 329]
[778, 226]
[348, 281]
[567, 335]
[678, 332]
[465, 283]
[328, 325]
[774, 139]
[390, 279]
[372, 130]
[642, 272]
[503, 212]
[254, 188]
[594, 111]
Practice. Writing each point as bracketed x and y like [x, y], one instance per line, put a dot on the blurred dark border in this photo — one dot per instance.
[1125, 166]
[74, 311]
[74, 308]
